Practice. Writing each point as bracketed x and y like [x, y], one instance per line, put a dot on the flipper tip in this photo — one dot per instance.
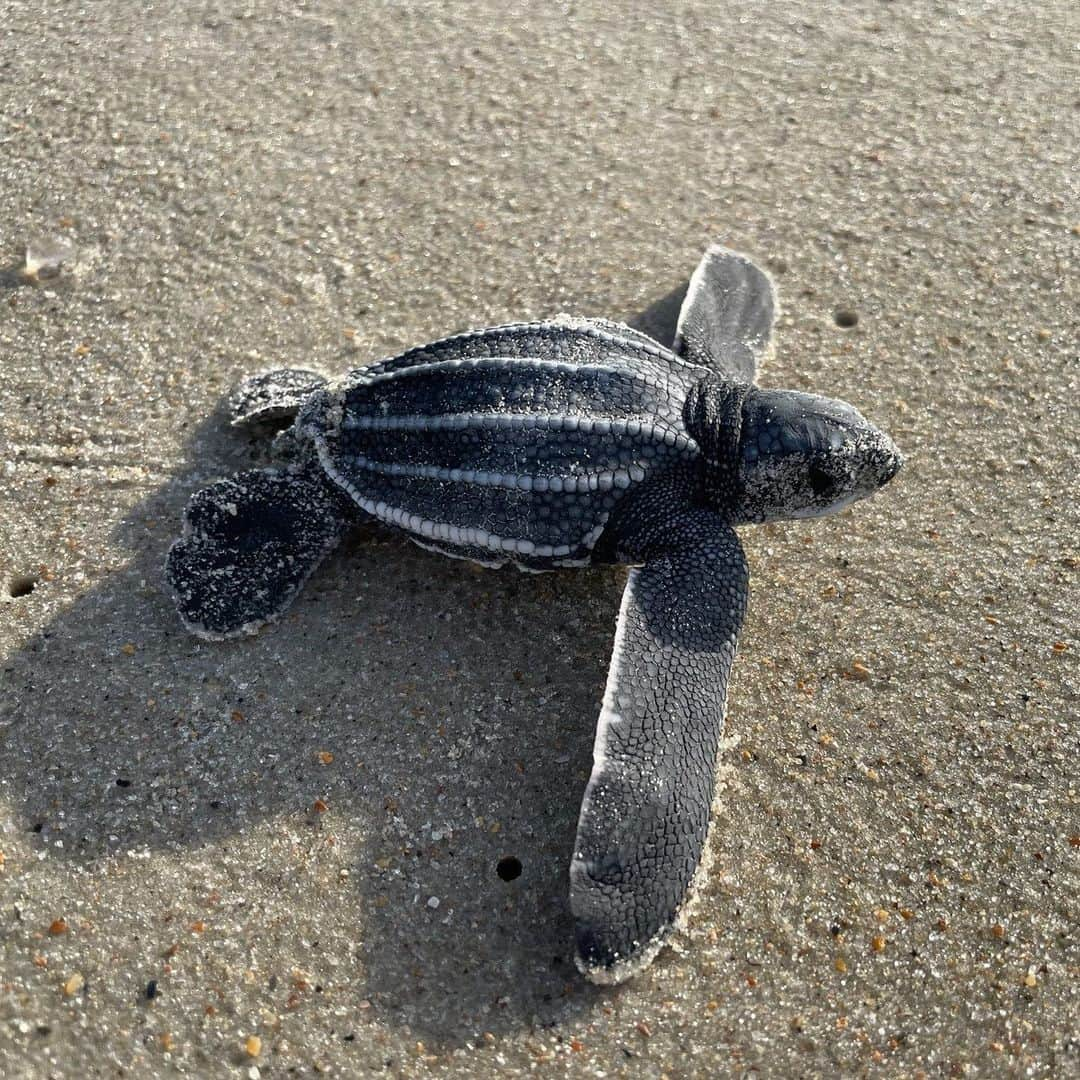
[617, 970]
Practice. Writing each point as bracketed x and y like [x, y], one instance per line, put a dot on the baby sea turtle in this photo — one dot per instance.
[569, 442]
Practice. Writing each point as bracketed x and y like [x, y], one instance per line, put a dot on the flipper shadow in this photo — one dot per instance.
[659, 319]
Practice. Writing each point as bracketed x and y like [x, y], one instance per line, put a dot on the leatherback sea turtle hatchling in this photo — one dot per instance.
[568, 442]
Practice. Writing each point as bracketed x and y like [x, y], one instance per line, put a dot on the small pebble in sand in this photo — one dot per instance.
[253, 1046]
[58, 927]
[74, 984]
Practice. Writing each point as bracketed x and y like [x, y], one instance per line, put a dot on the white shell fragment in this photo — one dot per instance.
[45, 256]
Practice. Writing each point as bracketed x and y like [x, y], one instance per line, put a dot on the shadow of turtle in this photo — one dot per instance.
[660, 318]
[440, 716]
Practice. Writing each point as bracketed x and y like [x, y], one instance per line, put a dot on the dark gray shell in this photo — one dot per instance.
[509, 444]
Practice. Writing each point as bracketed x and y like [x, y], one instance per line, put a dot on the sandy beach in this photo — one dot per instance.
[279, 856]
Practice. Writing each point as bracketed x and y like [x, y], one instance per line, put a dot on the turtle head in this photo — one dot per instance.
[803, 456]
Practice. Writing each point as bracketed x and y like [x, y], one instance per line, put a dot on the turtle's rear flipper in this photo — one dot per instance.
[727, 317]
[248, 545]
[273, 395]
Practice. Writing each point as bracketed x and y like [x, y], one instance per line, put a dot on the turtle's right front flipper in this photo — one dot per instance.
[249, 543]
[645, 816]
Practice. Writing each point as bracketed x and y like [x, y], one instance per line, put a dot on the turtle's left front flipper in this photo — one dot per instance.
[249, 543]
[727, 317]
[645, 816]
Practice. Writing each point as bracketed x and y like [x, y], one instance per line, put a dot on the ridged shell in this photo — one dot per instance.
[513, 443]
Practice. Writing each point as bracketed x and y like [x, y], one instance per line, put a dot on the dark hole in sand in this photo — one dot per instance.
[21, 585]
[509, 868]
[846, 318]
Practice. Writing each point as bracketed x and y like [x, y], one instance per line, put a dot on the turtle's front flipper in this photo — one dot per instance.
[248, 545]
[273, 395]
[645, 816]
[727, 316]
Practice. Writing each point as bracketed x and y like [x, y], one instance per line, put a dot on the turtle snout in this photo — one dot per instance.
[880, 460]
[893, 466]
[892, 459]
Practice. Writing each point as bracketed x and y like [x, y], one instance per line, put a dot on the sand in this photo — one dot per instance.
[279, 856]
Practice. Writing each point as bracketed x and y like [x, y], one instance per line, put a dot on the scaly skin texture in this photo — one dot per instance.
[249, 544]
[555, 444]
[645, 815]
[727, 317]
[271, 395]
[801, 455]
[515, 444]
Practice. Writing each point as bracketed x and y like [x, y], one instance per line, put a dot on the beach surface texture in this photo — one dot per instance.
[342, 846]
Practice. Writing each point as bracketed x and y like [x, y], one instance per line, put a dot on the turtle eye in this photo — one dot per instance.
[821, 483]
